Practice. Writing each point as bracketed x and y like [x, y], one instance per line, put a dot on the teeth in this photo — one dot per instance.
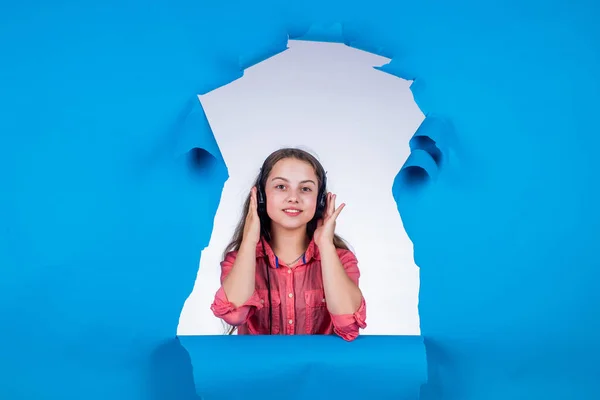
[292, 211]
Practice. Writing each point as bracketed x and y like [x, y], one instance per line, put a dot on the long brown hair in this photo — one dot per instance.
[269, 163]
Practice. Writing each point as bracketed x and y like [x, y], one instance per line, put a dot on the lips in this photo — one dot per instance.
[292, 212]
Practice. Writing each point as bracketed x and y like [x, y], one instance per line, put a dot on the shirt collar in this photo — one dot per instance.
[312, 252]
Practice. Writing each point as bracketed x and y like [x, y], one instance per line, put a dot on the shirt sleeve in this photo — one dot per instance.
[347, 325]
[223, 308]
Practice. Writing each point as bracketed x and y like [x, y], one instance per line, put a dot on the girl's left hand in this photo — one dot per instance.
[326, 225]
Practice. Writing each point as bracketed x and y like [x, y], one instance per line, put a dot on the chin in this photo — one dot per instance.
[290, 226]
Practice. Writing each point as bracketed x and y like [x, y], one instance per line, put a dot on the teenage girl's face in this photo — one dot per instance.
[291, 188]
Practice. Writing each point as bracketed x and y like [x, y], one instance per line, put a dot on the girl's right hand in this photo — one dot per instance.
[252, 226]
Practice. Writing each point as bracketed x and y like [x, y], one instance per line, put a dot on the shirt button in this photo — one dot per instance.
[289, 271]
[290, 321]
[262, 301]
[323, 300]
[291, 294]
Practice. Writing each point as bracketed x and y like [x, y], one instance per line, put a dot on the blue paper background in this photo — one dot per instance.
[109, 186]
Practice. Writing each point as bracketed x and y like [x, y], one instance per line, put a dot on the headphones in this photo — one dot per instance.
[264, 219]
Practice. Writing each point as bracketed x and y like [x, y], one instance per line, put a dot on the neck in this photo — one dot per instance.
[288, 245]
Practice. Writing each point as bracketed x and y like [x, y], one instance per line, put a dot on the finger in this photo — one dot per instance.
[332, 204]
[253, 200]
[328, 205]
[338, 211]
[326, 209]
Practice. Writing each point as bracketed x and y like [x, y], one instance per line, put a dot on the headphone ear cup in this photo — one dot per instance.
[322, 204]
[261, 201]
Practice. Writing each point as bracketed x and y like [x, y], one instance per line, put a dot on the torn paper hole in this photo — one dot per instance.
[326, 98]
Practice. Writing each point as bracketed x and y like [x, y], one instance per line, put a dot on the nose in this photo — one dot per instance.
[293, 197]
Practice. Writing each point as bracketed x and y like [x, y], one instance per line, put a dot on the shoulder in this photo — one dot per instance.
[347, 257]
[232, 255]
[229, 258]
[350, 263]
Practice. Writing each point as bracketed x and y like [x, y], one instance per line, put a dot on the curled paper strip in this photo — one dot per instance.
[322, 366]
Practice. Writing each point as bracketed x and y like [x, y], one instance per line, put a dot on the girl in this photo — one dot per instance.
[285, 271]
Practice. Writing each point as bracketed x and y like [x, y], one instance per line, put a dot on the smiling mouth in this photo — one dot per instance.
[291, 212]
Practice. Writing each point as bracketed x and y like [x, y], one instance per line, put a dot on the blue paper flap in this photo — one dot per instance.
[307, 367]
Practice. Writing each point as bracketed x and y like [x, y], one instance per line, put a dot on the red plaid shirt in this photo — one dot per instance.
[298, 299]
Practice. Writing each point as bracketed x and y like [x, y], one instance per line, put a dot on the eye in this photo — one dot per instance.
[307, 189]
[280, 186]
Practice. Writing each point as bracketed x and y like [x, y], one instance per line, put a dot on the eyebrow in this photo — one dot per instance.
[304, 181]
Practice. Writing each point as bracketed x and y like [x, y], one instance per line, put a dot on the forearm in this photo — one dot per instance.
[343, 295]
[239, 285]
